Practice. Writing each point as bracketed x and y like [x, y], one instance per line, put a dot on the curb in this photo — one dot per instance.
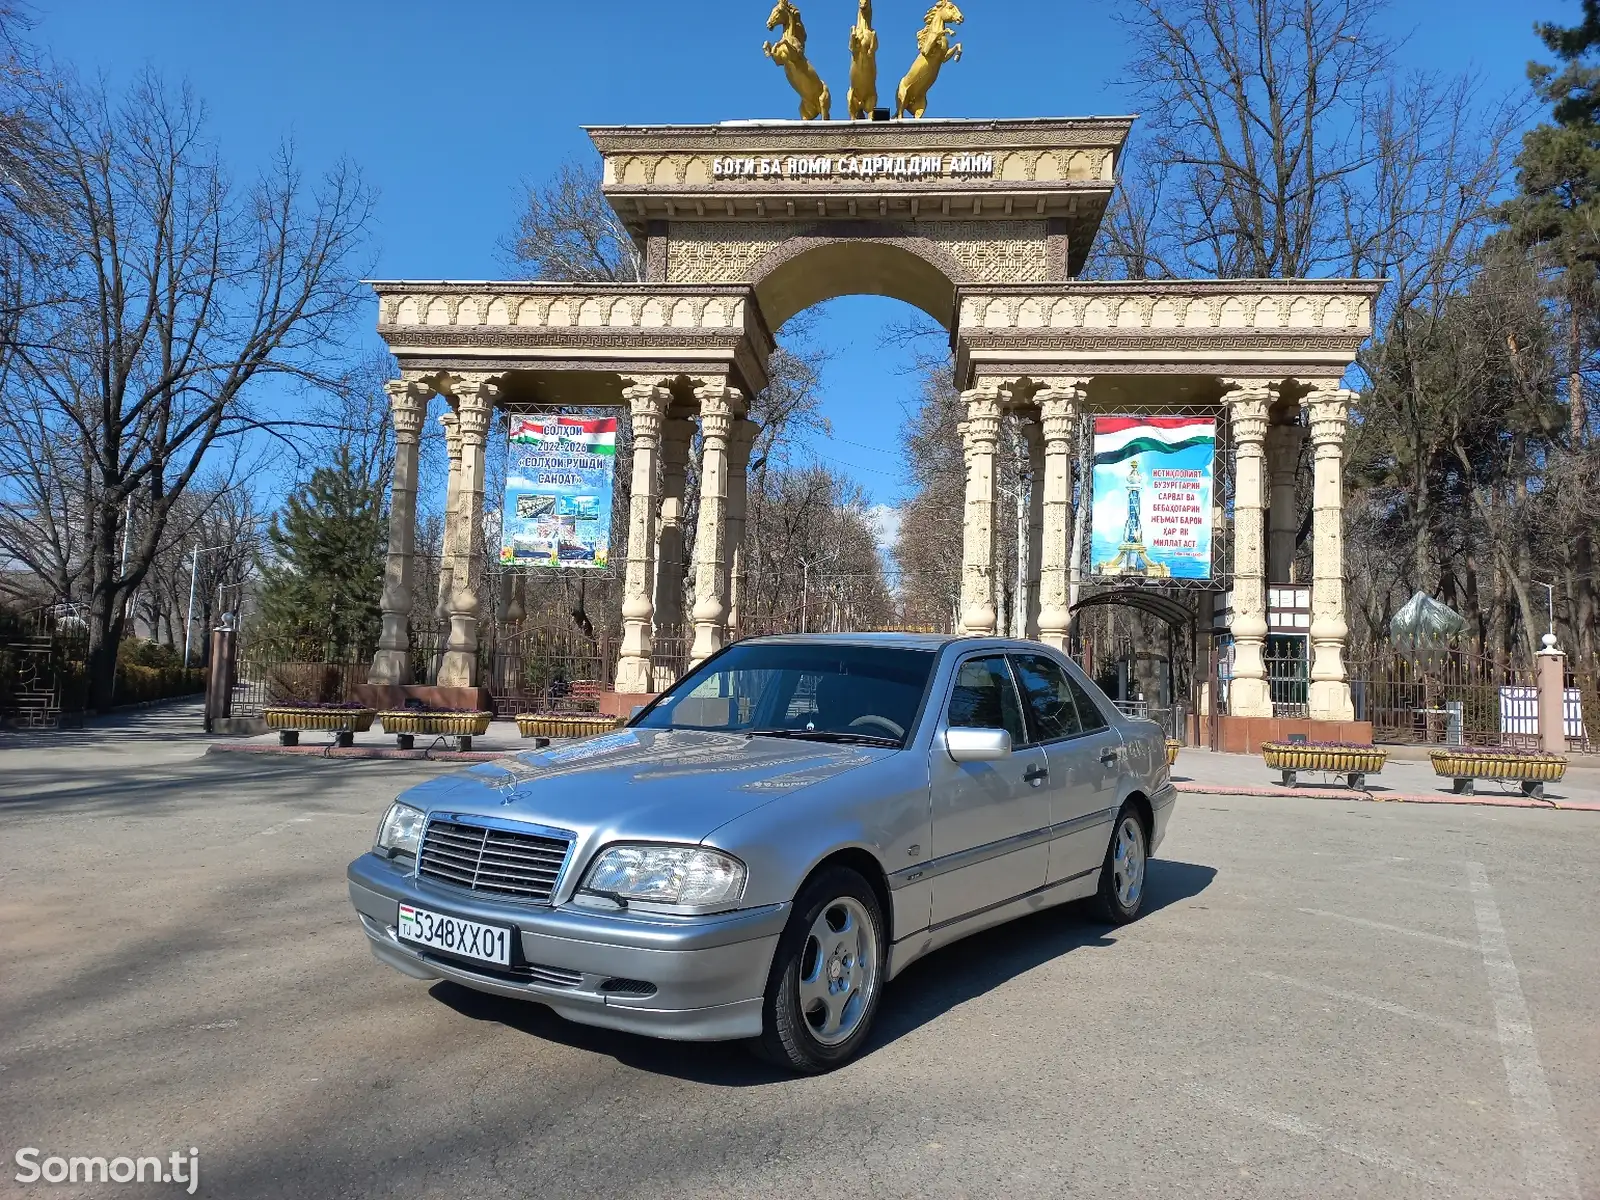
[1217, 789]
[360, 752]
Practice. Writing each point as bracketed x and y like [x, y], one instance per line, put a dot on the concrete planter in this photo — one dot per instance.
[532, 725]
[1530, 771]
[290, 722]
[407, 725]
[1355, 763]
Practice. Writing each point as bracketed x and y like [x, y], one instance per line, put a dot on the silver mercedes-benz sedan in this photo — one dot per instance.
[773, 840]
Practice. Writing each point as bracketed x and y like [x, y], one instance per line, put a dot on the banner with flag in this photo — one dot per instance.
[560, 476]
[1153, 482]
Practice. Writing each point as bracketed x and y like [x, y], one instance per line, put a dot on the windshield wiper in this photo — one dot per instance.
[824, 735]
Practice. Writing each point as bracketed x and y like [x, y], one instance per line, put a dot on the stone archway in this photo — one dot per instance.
[866, 260]
[984, 226]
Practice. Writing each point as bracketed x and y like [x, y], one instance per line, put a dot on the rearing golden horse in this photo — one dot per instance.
[933, 51]
[790, 54]
[863, 96]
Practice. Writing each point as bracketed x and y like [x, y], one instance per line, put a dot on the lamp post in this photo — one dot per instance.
[805, 586]
[194, 572]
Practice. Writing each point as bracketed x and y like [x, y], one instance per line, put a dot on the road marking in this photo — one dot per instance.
[1546, 1163]
[1400, 929]
[1398, 1010]
[282, 825]
[1288, 1123]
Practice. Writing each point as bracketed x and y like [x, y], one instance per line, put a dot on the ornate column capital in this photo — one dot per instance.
[475, 401]
[983, 415]
[1058, 409]
[718, 403]
[1249, 402]
[647, 406]
[452, 435]
[1330, 415]
[408, 405]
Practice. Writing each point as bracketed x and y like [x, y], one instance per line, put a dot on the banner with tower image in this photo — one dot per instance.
[559, 480]
[1152, 497]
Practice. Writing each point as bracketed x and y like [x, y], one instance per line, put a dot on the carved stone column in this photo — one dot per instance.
[676, 434]
[408, 404]
[452, 492]
[475, 397]
[717, 405]
[739, 447]
[1249, 694]
[647, 403]
[1033, 432]
[1330, 687]
[1283, 522]
[979, 438]
[1058, 411]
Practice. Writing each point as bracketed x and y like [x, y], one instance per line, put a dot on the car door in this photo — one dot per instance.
[990, 819]
[1083, 753]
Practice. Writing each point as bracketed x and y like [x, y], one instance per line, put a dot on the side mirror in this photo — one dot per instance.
[977, 745]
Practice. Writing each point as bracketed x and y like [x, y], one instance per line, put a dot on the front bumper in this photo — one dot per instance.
[1162, 802]
[709, 974]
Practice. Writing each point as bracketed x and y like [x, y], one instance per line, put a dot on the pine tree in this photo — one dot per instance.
[328, 547]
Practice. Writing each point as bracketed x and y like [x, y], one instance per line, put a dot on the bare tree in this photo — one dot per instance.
[570, 232]
[173, 291]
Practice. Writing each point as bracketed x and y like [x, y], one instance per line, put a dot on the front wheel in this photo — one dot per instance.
[1121, 893]
[826, 976]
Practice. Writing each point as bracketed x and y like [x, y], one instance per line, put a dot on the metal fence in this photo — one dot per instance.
[1450, 697]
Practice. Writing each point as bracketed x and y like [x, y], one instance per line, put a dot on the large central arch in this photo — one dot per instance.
[867, 262]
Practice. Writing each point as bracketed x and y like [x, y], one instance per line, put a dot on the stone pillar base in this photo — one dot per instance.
[459, 669]
[1249, 698]
[1330, 701]
[634, 677]
[390, 667]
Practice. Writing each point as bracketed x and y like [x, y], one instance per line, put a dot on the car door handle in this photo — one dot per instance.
[1107, 757]
[1036, 775]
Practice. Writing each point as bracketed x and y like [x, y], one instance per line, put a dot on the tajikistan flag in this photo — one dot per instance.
[597, 435]
[1117, 439]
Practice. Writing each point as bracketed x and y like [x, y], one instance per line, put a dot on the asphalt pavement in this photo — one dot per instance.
[1324, 998]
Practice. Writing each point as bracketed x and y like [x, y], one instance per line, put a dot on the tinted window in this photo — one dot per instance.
[874, 691]
[1089, 710]
[1047, 691]
[984, 698]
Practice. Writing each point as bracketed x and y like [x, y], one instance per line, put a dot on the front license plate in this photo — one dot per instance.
[488, 943]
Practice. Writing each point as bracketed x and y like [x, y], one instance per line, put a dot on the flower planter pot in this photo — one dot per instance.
[1173, 746]
[408, 724]
[1355, 763]
[1529, 771]
[532, 725]
[344, 723]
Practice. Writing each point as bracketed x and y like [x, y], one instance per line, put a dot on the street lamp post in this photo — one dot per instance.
[194, 573]
[805, 586]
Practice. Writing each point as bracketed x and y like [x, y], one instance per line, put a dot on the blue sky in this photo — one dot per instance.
[448, 108]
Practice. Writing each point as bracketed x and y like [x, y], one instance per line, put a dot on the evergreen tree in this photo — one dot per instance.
[328, 549]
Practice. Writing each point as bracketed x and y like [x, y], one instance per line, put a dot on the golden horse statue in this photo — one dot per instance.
[863, 96]
[933, 51]
[790, 54]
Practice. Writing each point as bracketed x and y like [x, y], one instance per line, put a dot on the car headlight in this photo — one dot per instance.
[400, 831]
[679, 879]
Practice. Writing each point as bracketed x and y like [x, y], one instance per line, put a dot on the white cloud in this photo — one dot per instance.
[885, 520]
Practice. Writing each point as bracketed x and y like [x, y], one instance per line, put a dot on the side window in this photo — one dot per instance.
[1047, 691]
[1089, 710]
[984, 697]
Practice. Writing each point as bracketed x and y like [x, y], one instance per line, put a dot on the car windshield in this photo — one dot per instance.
[869, 695]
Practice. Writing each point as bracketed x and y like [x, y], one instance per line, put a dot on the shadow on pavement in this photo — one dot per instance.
[926, 990]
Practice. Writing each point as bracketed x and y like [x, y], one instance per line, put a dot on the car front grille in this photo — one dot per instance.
[523, 866]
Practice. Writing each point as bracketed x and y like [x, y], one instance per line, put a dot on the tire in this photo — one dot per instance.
[1120, 898]
[827, 975]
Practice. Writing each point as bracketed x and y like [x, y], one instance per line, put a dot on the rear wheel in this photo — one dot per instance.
[822, 993]
[1121, 893]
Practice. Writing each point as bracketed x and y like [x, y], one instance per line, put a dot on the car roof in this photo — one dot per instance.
[906, 641]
